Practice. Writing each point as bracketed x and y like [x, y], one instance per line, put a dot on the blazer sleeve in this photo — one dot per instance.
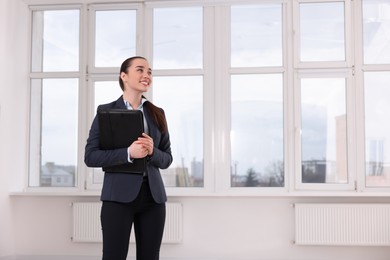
[162, 156]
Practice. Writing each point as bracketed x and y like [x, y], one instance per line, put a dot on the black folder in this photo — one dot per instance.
[119, 128]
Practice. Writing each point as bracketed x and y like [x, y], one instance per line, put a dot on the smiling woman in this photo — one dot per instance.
[132, 197]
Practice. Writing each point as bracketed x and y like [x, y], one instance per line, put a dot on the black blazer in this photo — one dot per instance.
[124, 187]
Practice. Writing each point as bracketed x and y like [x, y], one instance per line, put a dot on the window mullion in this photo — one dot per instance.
[222, 99]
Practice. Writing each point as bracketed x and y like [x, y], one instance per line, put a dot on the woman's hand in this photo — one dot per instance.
[147, 143]
[142, 147]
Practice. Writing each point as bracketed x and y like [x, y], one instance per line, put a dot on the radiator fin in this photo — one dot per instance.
[342, 224]
[87, 227]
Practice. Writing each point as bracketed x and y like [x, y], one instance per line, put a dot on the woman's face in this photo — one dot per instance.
[138, 76]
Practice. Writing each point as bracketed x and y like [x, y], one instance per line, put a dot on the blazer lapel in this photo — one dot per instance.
[120, 103]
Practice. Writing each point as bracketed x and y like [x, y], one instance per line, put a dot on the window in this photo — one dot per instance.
[282, 96]
[322, 31]
[324, 130]
[184, 32]
[376, 93]
[257, 131]
[256, 135]
[55, 43]
[177, 38]
[115, 30]
[323, 96]
[256, 36]
[376, 26]
[376, 82]
[178, 47]
[54, 98]
[181, 99]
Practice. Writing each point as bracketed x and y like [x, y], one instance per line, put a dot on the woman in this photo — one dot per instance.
[133, 198]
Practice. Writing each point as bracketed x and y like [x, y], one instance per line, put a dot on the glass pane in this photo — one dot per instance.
[324, 130]
[59, 126]
[376, 27]
[105, 92]
[55, 40]
[256, 36]
[178, 38]
[257, 131]
[185, 123]
[377, 128]
[322, 33]
[115, 37]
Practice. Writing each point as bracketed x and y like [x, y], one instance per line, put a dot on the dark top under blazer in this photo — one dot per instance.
[124, 187]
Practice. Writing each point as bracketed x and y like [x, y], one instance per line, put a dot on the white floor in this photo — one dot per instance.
[99, 258]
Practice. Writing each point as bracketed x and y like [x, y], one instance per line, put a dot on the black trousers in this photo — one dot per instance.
[148, 218]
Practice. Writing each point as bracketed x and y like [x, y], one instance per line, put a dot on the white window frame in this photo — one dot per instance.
[348, 38]
[216, 73]
[94, 74]
[351, 139]
[92, 8]
[34, 140]
[360, 68]
[223, 104]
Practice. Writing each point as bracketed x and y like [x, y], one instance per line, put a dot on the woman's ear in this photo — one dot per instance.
[123, 76]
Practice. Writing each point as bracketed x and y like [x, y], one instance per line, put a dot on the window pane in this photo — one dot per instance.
[376, 27]
[256, 36]
[178, 38]
[106, 92]
[182, 100]
[55, 40]
[322, 31]
[324, 131]
[115, 37]
[257, 131]
[377, 128]
[59, 117]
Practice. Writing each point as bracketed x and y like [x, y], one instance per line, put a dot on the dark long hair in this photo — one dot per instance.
[156, 112]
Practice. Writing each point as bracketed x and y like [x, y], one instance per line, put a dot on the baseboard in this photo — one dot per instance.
[65, 257]
[51, 257]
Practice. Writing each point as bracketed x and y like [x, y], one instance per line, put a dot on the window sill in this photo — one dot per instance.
[52, 193]
[205, 193]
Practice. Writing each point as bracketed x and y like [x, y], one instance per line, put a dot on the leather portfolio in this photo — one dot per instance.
[119, 128]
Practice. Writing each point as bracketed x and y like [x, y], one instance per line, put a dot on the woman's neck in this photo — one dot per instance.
[133, 100]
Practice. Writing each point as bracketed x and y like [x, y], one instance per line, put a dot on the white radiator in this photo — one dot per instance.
[87, 227]
[342, 224]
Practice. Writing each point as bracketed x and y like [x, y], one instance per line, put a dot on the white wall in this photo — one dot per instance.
[6, 127]
[214, 227]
